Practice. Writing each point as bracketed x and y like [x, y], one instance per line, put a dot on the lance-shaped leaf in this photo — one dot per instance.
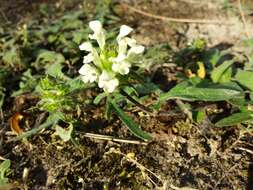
[132, 126]
[245, 78]
[234, 119]
[212, 93]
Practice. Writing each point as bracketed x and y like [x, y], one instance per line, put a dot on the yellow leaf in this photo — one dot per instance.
[189, 73]
[14, 123]
[201, 71]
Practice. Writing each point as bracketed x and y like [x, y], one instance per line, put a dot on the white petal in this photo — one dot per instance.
[99, 33]
[92, 36]
[89, 73]
[111, 85]
[124, 31]
[136, 50]
[102, 78]
[131, 42]
[122, 43]
[83, 69]
[89, 78]
[86, 46]
[88, 58]
[123, 67]
[119, 58]
[107, 82]
[95, 25]
[85, 79]
[96, 58]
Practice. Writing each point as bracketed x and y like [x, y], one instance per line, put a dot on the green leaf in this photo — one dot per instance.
[132, 126]
[12, 57]
[99, 97]
[4, 74]
[207, 92]
[239, 102]
[72, 24]
[215, 57]
[195, 80]
[199, 44]
[223, 69]
[50, 56]
[55, 70]
[226, 76]
[46, 57]
[108, 109]
[4, 183]
[146, 88]
[199, 115]
[157, 54]
[79, 36]
[4, 167]
[77, 84]
[245, 78]
[27, 84]
[2, 95]
[130, 90]
[74, 15]
[64, 134]
[235, 119]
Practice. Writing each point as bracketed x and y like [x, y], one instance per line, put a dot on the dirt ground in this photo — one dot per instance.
[182, 156]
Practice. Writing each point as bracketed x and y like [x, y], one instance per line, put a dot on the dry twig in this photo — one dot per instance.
[179, 20]
[110, 138]
[245, 149]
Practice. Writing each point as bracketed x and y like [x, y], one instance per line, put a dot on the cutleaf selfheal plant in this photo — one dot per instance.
[107, 66]
[110, 66]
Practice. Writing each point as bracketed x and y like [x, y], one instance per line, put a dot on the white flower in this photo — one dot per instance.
[88, 58]
[86, 46]
[99, 33]
[135, 50]
[122, 40]
[108, 82]
[122, 46]
[124, 31]
[89, 73]
[92, 56]
[121, 65]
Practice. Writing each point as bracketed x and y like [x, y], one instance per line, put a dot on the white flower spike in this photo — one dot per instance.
[107, 68]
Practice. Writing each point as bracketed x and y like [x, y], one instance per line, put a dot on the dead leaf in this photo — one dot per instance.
[14, 123]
